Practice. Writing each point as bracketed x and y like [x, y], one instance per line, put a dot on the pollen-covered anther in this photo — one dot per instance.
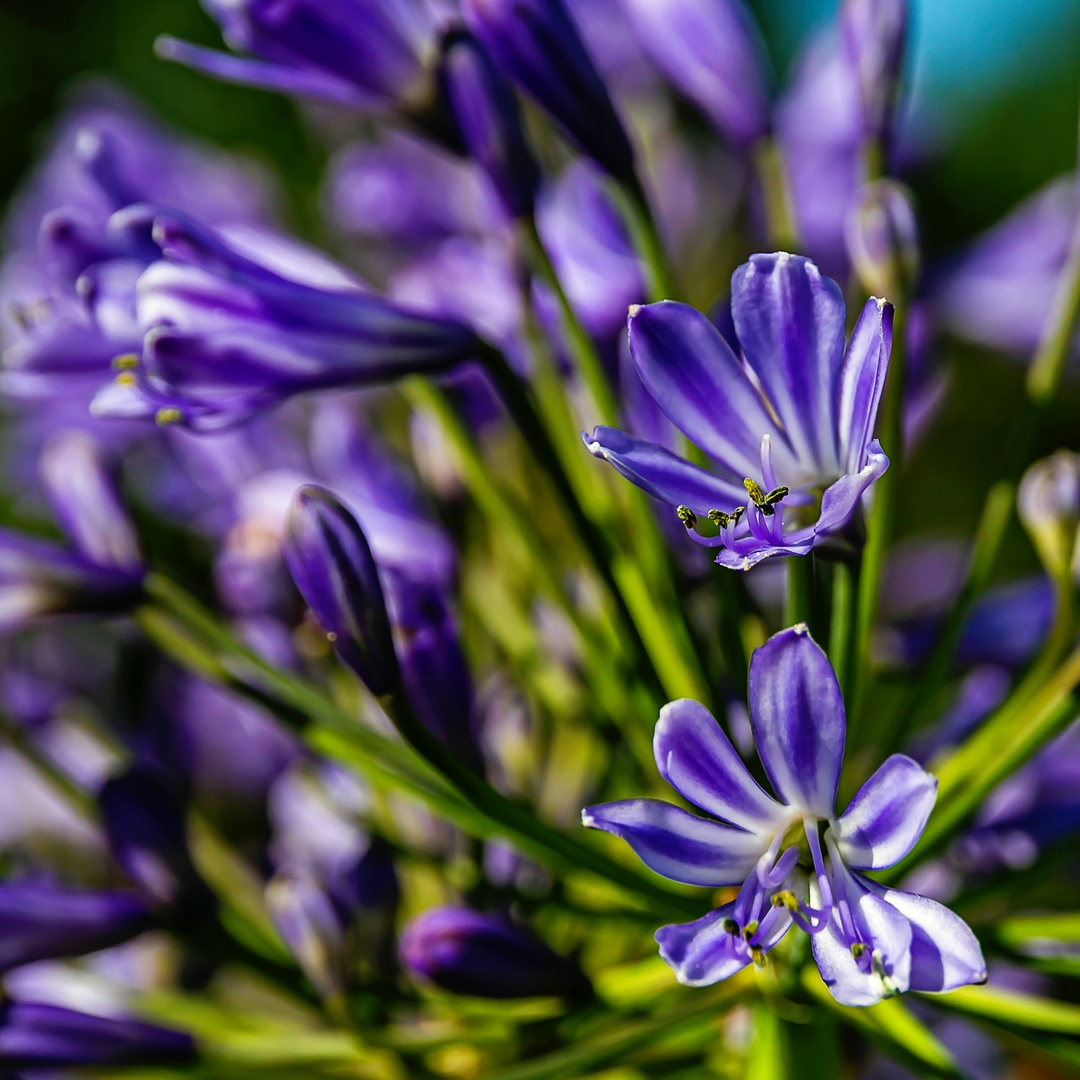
[858, 949]
[732, 927]
[126, 378]
[786, 899]
[722, 520]
[687, 516]
[125, 361]
[750, 929]
[758, 953]
[766, 503]
[170, 414]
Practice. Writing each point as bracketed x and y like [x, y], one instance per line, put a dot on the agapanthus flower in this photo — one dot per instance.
[789, 425]
[350, 52]
[869, 941]
[236, 322]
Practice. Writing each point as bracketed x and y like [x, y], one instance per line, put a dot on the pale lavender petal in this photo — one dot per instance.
[790, 322]
[695, 756]
[666, 477]
[887, 815]
[797, 715]
[945, 954]
[703, 952]
[264, 74]
[862, 379]
[690, 370]
[679, 845]
[841, 498]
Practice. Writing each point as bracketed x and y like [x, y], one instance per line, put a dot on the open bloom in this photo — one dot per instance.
[869, 941]
[788, 424]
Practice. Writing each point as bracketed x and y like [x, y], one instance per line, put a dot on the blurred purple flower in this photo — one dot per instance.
[800, 414]
[869, 942]
[873, 34]
[485, 955]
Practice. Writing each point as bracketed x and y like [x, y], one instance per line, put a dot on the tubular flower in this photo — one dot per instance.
[788, 424]
[869, 941]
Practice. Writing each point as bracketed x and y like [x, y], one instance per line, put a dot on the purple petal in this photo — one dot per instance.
[945, 954]
[703, 952]
[887, 815]
[304, 82]
[679, 845]
[697, 759]
[696, 379]
[797, 715]
[862, 379]
[790, 322]
[659, 472]
[841, 498]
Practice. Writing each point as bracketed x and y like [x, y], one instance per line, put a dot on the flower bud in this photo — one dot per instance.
[484, 955]
[42, 922]
[308, 924]
[873, 33]
[711, 51]
[883, 239]
[487, 117]
[1049, 506]
[331, 563]
[536, 44]
[34, 1036]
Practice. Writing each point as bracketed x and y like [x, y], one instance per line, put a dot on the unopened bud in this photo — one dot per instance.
[1049, 508]
[883, 239]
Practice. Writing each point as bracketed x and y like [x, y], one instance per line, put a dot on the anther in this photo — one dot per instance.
[765, 503]
[125, 378]
[758, 954]
[731, 926]
[786, 899]
[858, 949]
[125, 361]
[750, 929]
[170, 414]
[687, 516]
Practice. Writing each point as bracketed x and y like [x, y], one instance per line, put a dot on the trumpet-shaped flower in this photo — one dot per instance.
[788, 425]
[869, 941]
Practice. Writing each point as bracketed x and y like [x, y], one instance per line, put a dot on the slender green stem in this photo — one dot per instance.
[1043, 380]
[843, 636]
[516, 398]
[798, 602]
[633, 203]
[775, 195]
[882, 521]
[578, 338]
[399, 764]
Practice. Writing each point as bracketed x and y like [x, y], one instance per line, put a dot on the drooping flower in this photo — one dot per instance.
[788, 424]
[869, 941]
[486, 955]
[359, 53]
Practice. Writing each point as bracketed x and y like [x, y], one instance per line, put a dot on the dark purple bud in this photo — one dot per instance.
[368, 885]
[487, 116]
[433, 667]
[536, 44]
[484, 955]
[883, 239]
[43, 922]
[147, 834]
[368, 52]
[711, 50]
[36, 1036]
[873, 33]
[331, 563]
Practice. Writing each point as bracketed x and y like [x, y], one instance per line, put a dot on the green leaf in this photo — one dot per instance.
[1013, 1008]
[768, 1058]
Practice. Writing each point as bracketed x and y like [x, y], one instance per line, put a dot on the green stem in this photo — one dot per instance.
[843, 636]
[1044, 378]
[882, 521]
[633, 203]
[516, 398]
[798, 602]
[578, 338]
[399, 765]
[771, 171]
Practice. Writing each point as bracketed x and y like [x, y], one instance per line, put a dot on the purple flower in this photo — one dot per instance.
[485, 955]
[239, 321]
[789, 424]
[999, 292]
[873, 34]
[34, 1036]
[487, 116]
[869, 941]
[42, 922]
[308, 924]
[883, 238]
[712, 51]
[537, 44]
[102, 573]
[333, 568]
[350, 52]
